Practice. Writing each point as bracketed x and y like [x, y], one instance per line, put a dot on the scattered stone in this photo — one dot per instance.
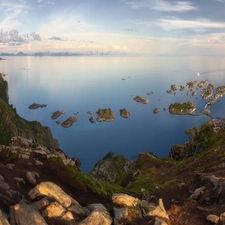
[41, 203]
[222, 218]
[31, 177]
[124, 200]
[97, 217]
[197, 193]
[25, 214]
[213, 219]
[53, 210]
[3, 219]
[159, 211]
[53, 190]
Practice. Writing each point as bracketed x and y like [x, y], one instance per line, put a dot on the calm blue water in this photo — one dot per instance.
[82, 84]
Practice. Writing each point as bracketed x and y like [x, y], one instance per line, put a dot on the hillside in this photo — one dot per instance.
[39, 184]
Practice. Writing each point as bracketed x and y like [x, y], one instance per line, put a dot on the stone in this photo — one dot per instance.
[96, 207]
[10, 166]
[1, 178]
[19, 180]
[52, 190]
[212, 218]
[25, 214]
[124, 200]
[4, 186]
[159, 211]
[3, 219]
[222, 218]
[158, 221]
[97, 218]
[77, 209]
[67, 216]
[197, 193]
[120, 213]
[53, 210]
[31, 177]
[41, 203]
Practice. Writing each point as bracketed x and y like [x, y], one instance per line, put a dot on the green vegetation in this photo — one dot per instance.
[13, 156]
[11, 124]
[106, 114]
[182, 108]
[57, 160]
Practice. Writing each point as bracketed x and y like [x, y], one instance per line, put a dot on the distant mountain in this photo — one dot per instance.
[88, 53]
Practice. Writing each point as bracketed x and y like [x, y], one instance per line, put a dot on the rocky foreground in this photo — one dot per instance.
[40, 185]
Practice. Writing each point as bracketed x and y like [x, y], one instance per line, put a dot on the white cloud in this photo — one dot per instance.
[176, 23]
[11, 11]
[162, 5]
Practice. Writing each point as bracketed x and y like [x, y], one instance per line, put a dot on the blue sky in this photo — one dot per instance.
[131, 26]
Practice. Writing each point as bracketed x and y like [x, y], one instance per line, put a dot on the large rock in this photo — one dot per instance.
[97, 218]
[31, 177]
[3, 219]
[54, 210]
[159, 211]
[124, 200]
[213, 219]
[52, 190]
[25, 214]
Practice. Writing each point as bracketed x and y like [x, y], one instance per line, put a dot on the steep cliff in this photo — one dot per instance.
[11, 124]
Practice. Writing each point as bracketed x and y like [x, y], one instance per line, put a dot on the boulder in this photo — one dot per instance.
[51, 190]
[3, 219]
[213, 219]
[222, 218]
[78, 210]
[25, 214]
[124, 200]
[53, 210]
[97, 218]
[31, 177]
[41, 203]
[197, 193]
[159, 211]
[158, 221]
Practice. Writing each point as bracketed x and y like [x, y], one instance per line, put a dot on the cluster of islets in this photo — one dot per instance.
[208, 93]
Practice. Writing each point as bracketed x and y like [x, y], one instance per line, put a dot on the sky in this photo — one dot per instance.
[193, 27]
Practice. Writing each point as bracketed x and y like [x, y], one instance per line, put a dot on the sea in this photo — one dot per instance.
[81, 84]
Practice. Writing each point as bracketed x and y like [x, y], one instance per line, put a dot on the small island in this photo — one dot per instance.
[35, 106]
[68, 123]
[182, 108]
[141, 100]
[106, 115]
[124, 113]
[182, 87]
[191, 84]
[173, 87]
[156, 110]
[57, 113]
[92, 119]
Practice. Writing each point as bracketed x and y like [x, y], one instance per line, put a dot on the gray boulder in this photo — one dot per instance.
[25, 214]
